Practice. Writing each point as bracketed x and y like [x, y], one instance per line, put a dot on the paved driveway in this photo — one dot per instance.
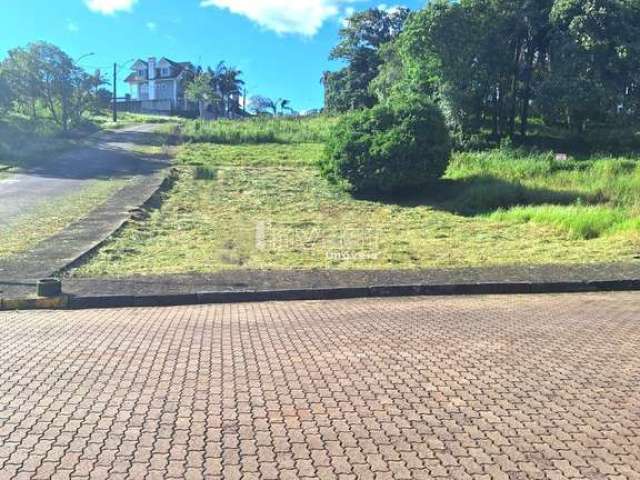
[479, 387]
[108, 156]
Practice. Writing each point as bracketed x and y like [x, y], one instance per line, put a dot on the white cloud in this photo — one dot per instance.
[152, 26]
[303, 17]
[72, 26]
[109, 7]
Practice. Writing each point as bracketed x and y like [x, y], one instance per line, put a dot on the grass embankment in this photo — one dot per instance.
[49, 219]
[245, 204]
[25, 142]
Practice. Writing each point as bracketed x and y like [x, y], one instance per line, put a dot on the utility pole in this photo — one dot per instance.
[115, 92]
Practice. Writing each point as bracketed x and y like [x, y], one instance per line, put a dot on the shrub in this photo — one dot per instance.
[389, 148]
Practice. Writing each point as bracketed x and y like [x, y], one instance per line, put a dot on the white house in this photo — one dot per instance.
[159, 85]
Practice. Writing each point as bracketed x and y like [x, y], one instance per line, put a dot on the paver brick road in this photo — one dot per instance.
[511, 387]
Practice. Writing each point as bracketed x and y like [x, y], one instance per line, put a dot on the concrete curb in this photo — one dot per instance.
[122, 301]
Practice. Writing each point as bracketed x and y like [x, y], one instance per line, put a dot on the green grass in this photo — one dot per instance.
[105, 120]
[47, 220]
[580, 222]
[584, 198]
[262, 130]
[269, 154]
[23, 139]
[265, 206]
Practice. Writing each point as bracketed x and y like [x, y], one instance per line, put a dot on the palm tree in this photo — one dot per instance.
[284, 105]
[231, 87]
[217, 76]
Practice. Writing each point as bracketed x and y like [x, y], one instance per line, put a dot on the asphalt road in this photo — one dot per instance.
[508, 388]
[108, 156]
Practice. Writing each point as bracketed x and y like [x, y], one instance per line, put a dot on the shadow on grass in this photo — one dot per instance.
[477, 195]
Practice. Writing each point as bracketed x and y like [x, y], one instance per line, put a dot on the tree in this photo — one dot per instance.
[479, 59]
[361, 39]
[201, 90]
[595, 61]
[263, 105]
[103, 99]
[284, 106]
[231, 86]
[91, 95]
[490, 63]
[43, 74]
[21, 70]
[6, 95]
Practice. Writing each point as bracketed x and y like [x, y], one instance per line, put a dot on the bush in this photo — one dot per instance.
[389, 148]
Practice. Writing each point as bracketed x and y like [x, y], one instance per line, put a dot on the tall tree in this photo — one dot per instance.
[361, 39]
[594, 61]
[231, 86]
[22, 73]
[43, 74]
[6, 95]
[478, 58]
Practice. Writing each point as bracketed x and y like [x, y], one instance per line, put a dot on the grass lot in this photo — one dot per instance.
[264, 206]
[27, 231]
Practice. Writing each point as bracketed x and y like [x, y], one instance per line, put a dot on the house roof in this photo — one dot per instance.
[134, 78]
[181, 67]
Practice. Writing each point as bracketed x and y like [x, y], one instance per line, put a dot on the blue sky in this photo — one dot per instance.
[280, 45]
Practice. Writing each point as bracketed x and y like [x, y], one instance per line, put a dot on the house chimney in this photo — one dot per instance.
[152, 78]
[152, 68]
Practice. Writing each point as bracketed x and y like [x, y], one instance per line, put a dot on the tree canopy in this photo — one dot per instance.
[42, 75]
[493, 64]
[361, 40]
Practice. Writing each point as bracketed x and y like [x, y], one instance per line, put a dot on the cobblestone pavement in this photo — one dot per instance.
[478, 387]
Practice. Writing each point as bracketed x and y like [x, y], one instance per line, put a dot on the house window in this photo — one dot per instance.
[141, 73]
[164, 72]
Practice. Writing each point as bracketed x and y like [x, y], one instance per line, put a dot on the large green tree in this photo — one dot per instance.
[594, 60]
[361, 40]
[42, 74]
[477, 58]
[495, 63]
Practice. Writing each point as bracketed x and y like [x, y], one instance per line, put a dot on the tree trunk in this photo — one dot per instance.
[496, 113]
[526, 96]
[514, 88]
